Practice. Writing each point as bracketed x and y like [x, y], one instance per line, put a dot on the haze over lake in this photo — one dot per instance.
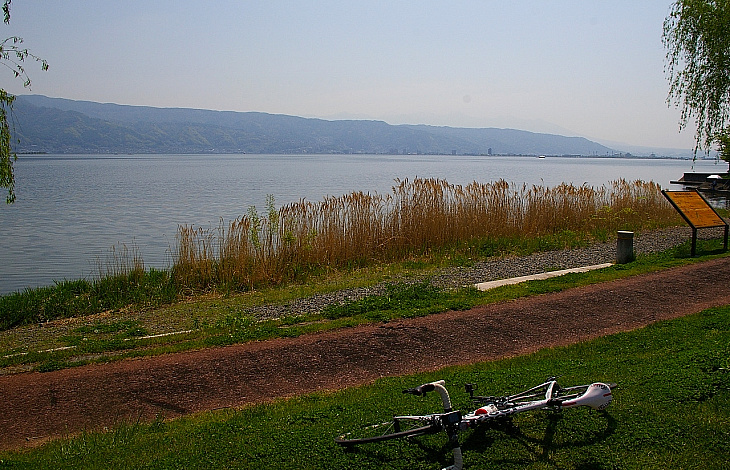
[72, 209]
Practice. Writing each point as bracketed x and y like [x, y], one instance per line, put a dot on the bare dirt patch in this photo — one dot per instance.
[36, 407]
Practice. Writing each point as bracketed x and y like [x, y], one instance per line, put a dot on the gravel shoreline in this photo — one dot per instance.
[499, 268]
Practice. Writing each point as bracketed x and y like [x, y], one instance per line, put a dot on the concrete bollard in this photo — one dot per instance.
[625, 247]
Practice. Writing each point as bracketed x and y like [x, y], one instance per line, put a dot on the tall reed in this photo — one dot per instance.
[415, 217]
[120, 260]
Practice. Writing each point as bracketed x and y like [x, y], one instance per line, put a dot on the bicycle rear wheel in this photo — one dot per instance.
[398, 427]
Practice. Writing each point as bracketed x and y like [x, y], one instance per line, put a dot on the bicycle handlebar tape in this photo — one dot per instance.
[420, 390]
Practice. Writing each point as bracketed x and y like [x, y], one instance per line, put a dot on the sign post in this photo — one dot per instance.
[697, 212]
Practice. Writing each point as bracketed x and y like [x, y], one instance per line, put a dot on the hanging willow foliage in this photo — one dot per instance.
[697, 39]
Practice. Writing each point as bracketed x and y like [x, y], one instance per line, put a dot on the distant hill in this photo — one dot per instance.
[56, 125]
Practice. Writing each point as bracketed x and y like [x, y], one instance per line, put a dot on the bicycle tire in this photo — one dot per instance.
[387, 431]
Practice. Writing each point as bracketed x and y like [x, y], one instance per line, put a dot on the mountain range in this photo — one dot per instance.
[57, 125]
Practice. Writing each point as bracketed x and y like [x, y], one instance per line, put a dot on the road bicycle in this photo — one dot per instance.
[547, 396]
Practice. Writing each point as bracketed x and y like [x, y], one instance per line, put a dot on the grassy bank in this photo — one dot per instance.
[430, 222]
[218, 321]
[671, 410]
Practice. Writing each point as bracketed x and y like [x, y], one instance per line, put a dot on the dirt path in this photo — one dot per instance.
[35, 407]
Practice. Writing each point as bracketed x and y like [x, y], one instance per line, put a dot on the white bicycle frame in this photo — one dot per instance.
[597, 396]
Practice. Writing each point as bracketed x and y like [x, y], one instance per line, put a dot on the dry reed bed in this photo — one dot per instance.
[417, 216]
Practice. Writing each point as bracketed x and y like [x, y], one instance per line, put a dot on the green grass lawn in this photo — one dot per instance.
[671, 410]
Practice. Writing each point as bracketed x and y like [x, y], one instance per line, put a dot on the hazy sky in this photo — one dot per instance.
[591, 68]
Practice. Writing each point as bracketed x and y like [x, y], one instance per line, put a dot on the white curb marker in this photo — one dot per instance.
[483, 286]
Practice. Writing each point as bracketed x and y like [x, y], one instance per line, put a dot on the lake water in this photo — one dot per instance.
[71, 210]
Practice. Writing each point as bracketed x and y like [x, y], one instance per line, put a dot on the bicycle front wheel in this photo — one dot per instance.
[398, 427]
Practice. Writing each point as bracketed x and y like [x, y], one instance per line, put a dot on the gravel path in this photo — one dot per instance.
[499, 268]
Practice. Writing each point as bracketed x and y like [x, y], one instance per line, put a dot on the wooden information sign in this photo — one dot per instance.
[696, 211]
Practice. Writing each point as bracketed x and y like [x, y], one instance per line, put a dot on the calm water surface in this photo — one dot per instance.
[72, 210]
